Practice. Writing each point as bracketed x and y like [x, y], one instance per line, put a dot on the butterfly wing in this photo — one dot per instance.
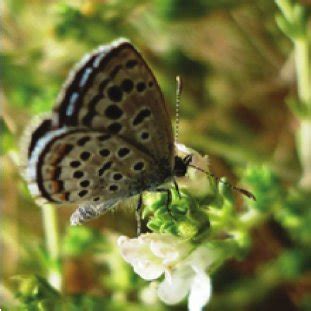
[109, 136]
[113, 90]
[81, 165]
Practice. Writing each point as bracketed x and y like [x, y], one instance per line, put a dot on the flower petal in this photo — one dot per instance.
[169, 248]
[201, 258]
[148, 270]
[175, 288]
[200, 292]
[137, 253]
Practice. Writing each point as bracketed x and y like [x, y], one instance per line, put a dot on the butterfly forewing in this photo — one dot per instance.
[113, 89]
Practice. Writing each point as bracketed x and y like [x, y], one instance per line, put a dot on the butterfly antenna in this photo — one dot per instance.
[178, 96]
[234, 188]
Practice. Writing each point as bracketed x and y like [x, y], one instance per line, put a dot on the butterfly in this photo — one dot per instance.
[108, 138]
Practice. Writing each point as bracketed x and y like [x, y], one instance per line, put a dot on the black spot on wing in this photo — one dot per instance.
[138, 166]
[85, 155]
[104, 168]
[115, 93]
[104, 152]
[113, 112]
[144, 135]
[113, 188]
[82, 193]
[78, 174]
[87, 119]
[85, 183]
[122, 152]
[82, 141]
[114, 128]
[115, 70]
[141, 86]
[103, 137]
[117, 176]
[75, 164]
[103, 85]
[131, 63]
[105, 56]
[127, 85]
[141, 116]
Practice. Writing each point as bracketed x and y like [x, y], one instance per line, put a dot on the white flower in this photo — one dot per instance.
[196, 181]
[153, 254]
[184, 267]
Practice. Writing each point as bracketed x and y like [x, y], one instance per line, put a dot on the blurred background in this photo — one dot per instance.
[242, 104]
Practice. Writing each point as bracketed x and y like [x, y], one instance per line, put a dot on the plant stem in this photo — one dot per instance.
[52, 245]
[302, 60]
[295, 26]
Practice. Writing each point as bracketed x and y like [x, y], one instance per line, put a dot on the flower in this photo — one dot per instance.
[153, 254]
[196, 181]
[183, 265]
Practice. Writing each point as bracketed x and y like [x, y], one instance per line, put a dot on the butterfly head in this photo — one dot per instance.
[181, 165]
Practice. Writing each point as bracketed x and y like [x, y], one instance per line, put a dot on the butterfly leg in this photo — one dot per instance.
[138, 213]
[177, 188]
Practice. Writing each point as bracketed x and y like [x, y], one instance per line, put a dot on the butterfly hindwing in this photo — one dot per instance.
[79, 165]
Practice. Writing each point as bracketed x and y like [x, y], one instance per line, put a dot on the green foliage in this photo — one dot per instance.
[294, 18]
[182, 217]
[35, 293]
[80, 240]
[289, 206]
[183, 9]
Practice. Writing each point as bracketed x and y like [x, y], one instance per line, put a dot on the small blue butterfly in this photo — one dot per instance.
[108, 138]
